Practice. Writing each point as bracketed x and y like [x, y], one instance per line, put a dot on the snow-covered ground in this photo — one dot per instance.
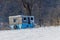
[42, 33]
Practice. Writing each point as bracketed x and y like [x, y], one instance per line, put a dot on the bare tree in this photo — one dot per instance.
[28, 6]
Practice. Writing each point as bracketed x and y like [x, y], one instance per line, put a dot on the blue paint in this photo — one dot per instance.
[18, 26]
[28, 23]
[24, 25]
[12, 26]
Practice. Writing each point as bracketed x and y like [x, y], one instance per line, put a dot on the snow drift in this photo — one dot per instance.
[42, 33]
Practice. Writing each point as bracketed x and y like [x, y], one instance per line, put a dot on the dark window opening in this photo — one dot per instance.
[24, 18]
[31, 18]
[14, 20]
